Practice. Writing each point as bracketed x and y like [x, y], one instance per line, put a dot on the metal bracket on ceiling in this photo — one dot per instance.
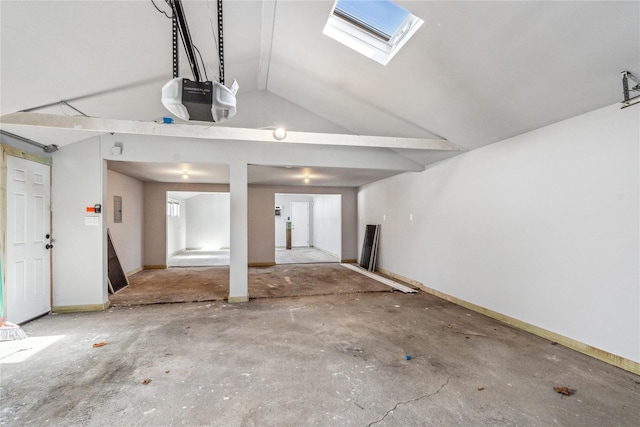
[628, 101]
[220, 43]
[181, 22]
[176, 53]
[180, 27]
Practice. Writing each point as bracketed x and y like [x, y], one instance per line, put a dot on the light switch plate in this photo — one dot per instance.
[91, 220]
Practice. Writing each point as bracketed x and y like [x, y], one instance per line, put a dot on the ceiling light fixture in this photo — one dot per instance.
[185, 174]
[279, 134]
[306, 180]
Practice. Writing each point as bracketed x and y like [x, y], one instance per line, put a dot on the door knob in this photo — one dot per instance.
[47, 236]
[49, 246]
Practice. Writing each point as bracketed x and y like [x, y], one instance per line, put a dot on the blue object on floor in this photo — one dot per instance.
[168, 120]
[408, 357]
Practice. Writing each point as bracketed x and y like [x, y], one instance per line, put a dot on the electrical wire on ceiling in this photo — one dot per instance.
[204, 68]
[160, 10]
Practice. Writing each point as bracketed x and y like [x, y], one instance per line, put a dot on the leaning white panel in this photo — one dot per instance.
[395, 285]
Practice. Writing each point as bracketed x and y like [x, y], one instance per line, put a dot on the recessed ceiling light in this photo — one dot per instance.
[306, 180]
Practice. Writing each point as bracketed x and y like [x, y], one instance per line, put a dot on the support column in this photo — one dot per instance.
[239, 271]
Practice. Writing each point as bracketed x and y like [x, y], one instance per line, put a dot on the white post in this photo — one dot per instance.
[238, 277]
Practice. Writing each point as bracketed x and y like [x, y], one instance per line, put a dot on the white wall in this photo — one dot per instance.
[177, 227]
[327, 223]
[208, 221]
[126, 235]
[542, 227]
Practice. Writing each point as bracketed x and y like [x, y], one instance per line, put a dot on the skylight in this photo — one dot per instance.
[374, 28]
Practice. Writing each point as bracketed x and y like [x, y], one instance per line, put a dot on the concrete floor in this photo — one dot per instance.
[332, 360]
[303, 255]
[199, 258]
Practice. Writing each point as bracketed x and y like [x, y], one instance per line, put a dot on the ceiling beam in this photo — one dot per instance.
[199, 131]
[266, 42]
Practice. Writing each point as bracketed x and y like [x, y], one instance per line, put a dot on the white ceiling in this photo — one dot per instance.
[475, 73]
[200, 173]
[257, 175]
[321, 177]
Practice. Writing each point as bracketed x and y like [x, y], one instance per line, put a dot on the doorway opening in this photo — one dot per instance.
[198, 229]
[308, 228]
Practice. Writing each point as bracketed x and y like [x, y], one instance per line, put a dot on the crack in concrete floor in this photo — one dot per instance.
[426, 396]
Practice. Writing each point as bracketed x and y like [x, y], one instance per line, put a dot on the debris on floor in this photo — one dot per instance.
[562, 390]
[480, 388]
[10, 331]
[100, 344]
[146, 381]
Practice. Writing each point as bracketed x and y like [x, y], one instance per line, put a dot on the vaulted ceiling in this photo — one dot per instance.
[475, 73]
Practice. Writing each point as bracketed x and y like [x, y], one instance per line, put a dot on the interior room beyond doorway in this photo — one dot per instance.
[308, 228]
[198, 229]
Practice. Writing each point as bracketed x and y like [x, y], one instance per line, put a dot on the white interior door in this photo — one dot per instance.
[28, 269]
[299, 224]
